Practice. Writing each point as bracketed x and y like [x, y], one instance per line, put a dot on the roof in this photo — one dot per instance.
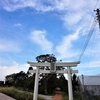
[89, 80]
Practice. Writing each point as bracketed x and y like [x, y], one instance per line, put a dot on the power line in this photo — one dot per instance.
[96, 4]
[88, 39]
[89, 35]
[90, 52]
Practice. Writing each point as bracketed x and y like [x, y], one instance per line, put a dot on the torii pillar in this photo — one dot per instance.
[53, 70]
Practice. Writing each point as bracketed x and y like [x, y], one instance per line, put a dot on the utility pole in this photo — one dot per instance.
[83, 82]
[98, 15]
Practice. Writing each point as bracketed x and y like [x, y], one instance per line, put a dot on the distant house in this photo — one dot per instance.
[90, 84]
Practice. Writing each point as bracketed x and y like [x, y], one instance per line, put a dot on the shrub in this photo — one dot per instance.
[17, 94]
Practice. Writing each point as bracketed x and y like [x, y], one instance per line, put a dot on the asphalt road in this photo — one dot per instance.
[5, 97]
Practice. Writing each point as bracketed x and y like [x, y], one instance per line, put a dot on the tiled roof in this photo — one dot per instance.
[90, 80]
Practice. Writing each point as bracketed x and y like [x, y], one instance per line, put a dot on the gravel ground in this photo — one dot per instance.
[5, 97]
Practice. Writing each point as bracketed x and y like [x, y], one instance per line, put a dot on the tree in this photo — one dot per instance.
[20, 79]
[17, 79]
[62, 83]
[45, 77]
[75, 83]
[29, 83]
[1, 83]
[10, 80]
[46, 58]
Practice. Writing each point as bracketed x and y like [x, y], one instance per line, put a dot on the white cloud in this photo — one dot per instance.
[65, 48]
[17, 4]
[15, 68]
[69, 5]
[89, 64]
[72, 18]
[9, 46]
[39, 37]
[17, 25]
[72, 12]
[92, 54]
[93, 50]
[94, 63]
[46, 5]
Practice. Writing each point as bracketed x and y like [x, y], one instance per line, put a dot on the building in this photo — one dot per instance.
[90, 84]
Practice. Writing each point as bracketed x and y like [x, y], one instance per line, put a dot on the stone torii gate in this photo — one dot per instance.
[53, 70]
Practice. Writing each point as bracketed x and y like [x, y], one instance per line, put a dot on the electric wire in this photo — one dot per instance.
[90, 53]
[82, 50]
[96, 4]
[88, 39]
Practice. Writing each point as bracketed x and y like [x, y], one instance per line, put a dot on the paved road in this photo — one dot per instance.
[46, 97]
[5, 97]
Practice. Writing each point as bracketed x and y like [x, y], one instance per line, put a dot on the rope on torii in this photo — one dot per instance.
[53, 70]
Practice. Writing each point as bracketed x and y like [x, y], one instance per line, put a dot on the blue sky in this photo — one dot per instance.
[29, 28]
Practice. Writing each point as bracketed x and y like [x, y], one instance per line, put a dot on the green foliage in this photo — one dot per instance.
[48, 82]
[20, 80]
[44, 78]
[76, 89]
[62, 83]
[17, 79]
[46, 57]
[17, 94]
[1, 83]
[75, 83]
[65, 96]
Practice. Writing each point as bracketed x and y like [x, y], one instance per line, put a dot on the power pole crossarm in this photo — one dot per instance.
[98, 15]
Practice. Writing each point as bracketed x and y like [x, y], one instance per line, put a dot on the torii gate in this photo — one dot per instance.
[53, 70]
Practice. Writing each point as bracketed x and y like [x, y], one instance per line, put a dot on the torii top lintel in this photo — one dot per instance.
[65, 64]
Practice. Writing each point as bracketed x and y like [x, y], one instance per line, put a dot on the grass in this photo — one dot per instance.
[17, 94]
[23, 95]
[65, 97]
